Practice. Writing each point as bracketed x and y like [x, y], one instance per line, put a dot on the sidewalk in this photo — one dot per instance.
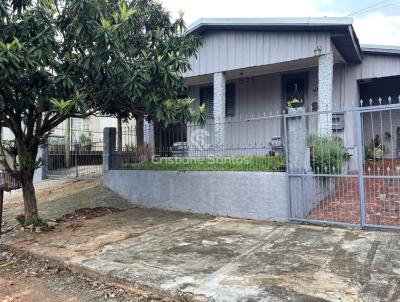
[202, 257]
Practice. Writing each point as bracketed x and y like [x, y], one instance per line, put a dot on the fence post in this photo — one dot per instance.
[148, 129]
[299, 153]
[109, 145]
[298, 163]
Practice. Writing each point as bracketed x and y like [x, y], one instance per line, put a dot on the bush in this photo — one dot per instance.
[328, 155]
[242, 163]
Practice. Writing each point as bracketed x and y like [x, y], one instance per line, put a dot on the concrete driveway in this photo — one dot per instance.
[219, 259]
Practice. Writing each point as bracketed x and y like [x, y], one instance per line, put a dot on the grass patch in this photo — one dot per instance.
[244, 163]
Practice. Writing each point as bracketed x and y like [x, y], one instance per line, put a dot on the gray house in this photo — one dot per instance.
[341, 147]
[249, 69]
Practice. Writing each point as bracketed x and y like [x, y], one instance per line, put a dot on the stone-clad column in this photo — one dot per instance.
[325, 88]
[219, 111]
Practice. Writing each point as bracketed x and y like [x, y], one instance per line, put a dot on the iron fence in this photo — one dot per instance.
[231, 145]
[354, 177]
[79, 154]
[342, 165]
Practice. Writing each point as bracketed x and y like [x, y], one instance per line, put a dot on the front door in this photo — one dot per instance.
[294, 90]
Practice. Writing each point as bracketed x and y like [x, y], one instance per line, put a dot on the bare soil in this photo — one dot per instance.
[23, 278]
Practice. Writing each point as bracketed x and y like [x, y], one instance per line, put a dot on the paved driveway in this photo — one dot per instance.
[221, 259]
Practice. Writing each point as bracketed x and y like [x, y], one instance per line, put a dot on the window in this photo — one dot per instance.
[77, 124]
[207, 98]
[230, 100]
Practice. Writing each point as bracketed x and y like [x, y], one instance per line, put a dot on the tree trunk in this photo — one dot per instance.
[139, 131]
[119, 132]
[28, 191]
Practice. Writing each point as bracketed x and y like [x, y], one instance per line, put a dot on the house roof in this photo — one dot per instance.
[380, 49]
[204, 24]
[343, 34]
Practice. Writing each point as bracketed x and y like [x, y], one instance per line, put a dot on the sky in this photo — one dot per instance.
[378, 23]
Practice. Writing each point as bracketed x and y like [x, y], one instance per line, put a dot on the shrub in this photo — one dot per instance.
[242, 163]
[328, 155]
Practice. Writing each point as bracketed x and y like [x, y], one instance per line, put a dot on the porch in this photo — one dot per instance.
[243, 106]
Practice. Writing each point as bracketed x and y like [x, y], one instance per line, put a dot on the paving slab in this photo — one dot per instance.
[219, 258]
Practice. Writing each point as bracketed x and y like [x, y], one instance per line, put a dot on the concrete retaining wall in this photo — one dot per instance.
[253, 195]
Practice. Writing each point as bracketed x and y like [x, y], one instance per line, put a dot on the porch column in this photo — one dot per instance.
[325, 88]
[219, 111]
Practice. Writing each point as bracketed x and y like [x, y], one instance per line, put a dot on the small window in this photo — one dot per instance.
[77, 124]
[207, 98]
[230, 100]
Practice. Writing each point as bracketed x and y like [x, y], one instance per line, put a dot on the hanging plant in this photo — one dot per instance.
[295, 103]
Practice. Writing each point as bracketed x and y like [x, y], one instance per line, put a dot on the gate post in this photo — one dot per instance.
[299, 153]
[360, 167]
[109, 145]
[298, 164]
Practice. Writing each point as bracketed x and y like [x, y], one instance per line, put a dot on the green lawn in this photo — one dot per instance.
[244, 163]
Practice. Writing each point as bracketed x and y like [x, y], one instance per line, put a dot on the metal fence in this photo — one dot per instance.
[80, 156]
[354, 169]
[231, 145]
[342, 165]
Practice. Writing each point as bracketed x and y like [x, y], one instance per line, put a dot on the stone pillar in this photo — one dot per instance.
[109, 145]
[325, 88]
[219, 111]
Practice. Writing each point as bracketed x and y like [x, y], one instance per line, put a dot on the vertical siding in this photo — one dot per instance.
[257, 97]
[377, 66]
[229, 50]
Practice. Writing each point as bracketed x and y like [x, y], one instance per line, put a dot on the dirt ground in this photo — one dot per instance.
[23, 278]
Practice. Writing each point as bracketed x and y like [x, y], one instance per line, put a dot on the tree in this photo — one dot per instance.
[74, 58]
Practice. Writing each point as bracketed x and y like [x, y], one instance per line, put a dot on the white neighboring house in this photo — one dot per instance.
[92, 126]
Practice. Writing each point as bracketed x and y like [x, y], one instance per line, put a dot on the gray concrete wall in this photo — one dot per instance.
[255, 195]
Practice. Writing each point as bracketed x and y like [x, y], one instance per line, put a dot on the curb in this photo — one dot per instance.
[107, 278]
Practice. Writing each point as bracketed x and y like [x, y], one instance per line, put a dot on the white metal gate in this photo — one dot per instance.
[80, 157]
[353, 176]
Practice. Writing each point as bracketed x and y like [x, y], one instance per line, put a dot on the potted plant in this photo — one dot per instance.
[376, 150]
[295, 103]
[295, 106]
[85, 141]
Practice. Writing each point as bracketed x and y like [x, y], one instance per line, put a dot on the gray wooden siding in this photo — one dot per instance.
[377, 66]
[230, 50]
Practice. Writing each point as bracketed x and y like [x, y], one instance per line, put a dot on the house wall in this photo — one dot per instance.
[372, 66]
[256, 96]
[229, 50]
[261, 96]
[378, 66]
[251, 129]
[255, 195]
